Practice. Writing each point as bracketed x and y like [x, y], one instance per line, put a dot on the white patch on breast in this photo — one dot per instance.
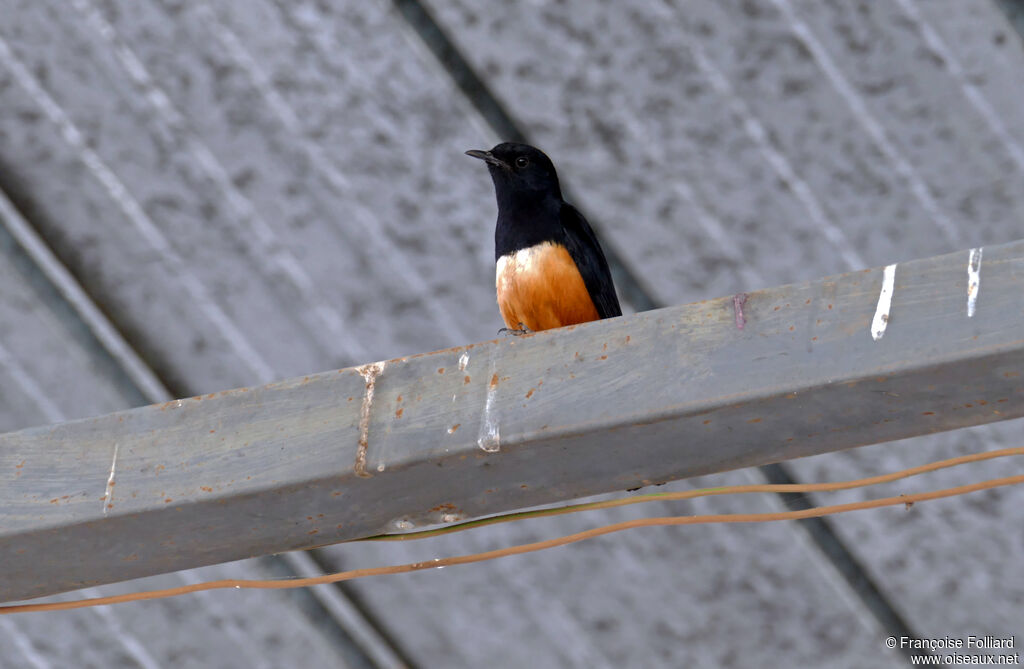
[520, 262]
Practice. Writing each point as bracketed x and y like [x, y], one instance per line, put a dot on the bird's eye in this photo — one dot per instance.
[522, 161]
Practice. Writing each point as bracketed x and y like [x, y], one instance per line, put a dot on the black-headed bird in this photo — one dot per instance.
[550, 271]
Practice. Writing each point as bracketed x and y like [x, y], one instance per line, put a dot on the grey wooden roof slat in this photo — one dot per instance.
[20, 650]
[743, 114]
[731, 185]
[66, 185]
[870, 537]
[242, 635]
[336, 206]
[953, 543]
[59, 374]
[422, 215]
[928, 114]
[134, 142]
[211, 630]
[20, 393]
[376, 650]
[69, 306]
[414, 330]
[242, 214]
[809, 47]
[36, 642]
[702, 143]
[643, 596]
[815, 117]
[1002, 126]
[31, 347]
[489, 39]
[988, 50]
[29, 310]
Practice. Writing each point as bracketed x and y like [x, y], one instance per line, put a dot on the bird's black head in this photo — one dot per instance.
[520, 171]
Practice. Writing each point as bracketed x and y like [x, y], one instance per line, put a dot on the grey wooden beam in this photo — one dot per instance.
[786, 372]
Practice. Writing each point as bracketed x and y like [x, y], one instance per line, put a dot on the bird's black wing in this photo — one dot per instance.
[589, 258]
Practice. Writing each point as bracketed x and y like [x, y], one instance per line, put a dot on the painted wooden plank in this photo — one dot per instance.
[507, 424]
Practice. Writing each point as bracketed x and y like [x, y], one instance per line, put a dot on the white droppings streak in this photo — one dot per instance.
[463, 361]
[881, 319]
[490, 433]
[369, 373]
[489, 438]
[108, 493]
[973, 279]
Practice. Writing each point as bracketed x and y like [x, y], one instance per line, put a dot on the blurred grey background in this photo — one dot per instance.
[203, 195]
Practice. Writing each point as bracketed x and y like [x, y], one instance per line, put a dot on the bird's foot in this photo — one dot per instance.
[523, 330]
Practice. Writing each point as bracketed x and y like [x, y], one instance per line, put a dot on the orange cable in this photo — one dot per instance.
[275, 584]
[702, 492]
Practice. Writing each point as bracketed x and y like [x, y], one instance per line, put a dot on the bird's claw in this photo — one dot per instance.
[523, 330]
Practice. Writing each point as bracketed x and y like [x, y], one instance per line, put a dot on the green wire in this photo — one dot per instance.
[546, 513]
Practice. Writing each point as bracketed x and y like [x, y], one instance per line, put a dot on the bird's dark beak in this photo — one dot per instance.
[487, 157]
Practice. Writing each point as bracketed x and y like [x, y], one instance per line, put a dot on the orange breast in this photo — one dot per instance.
[541, 288]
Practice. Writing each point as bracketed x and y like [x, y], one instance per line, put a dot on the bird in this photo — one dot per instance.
[550, 270]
